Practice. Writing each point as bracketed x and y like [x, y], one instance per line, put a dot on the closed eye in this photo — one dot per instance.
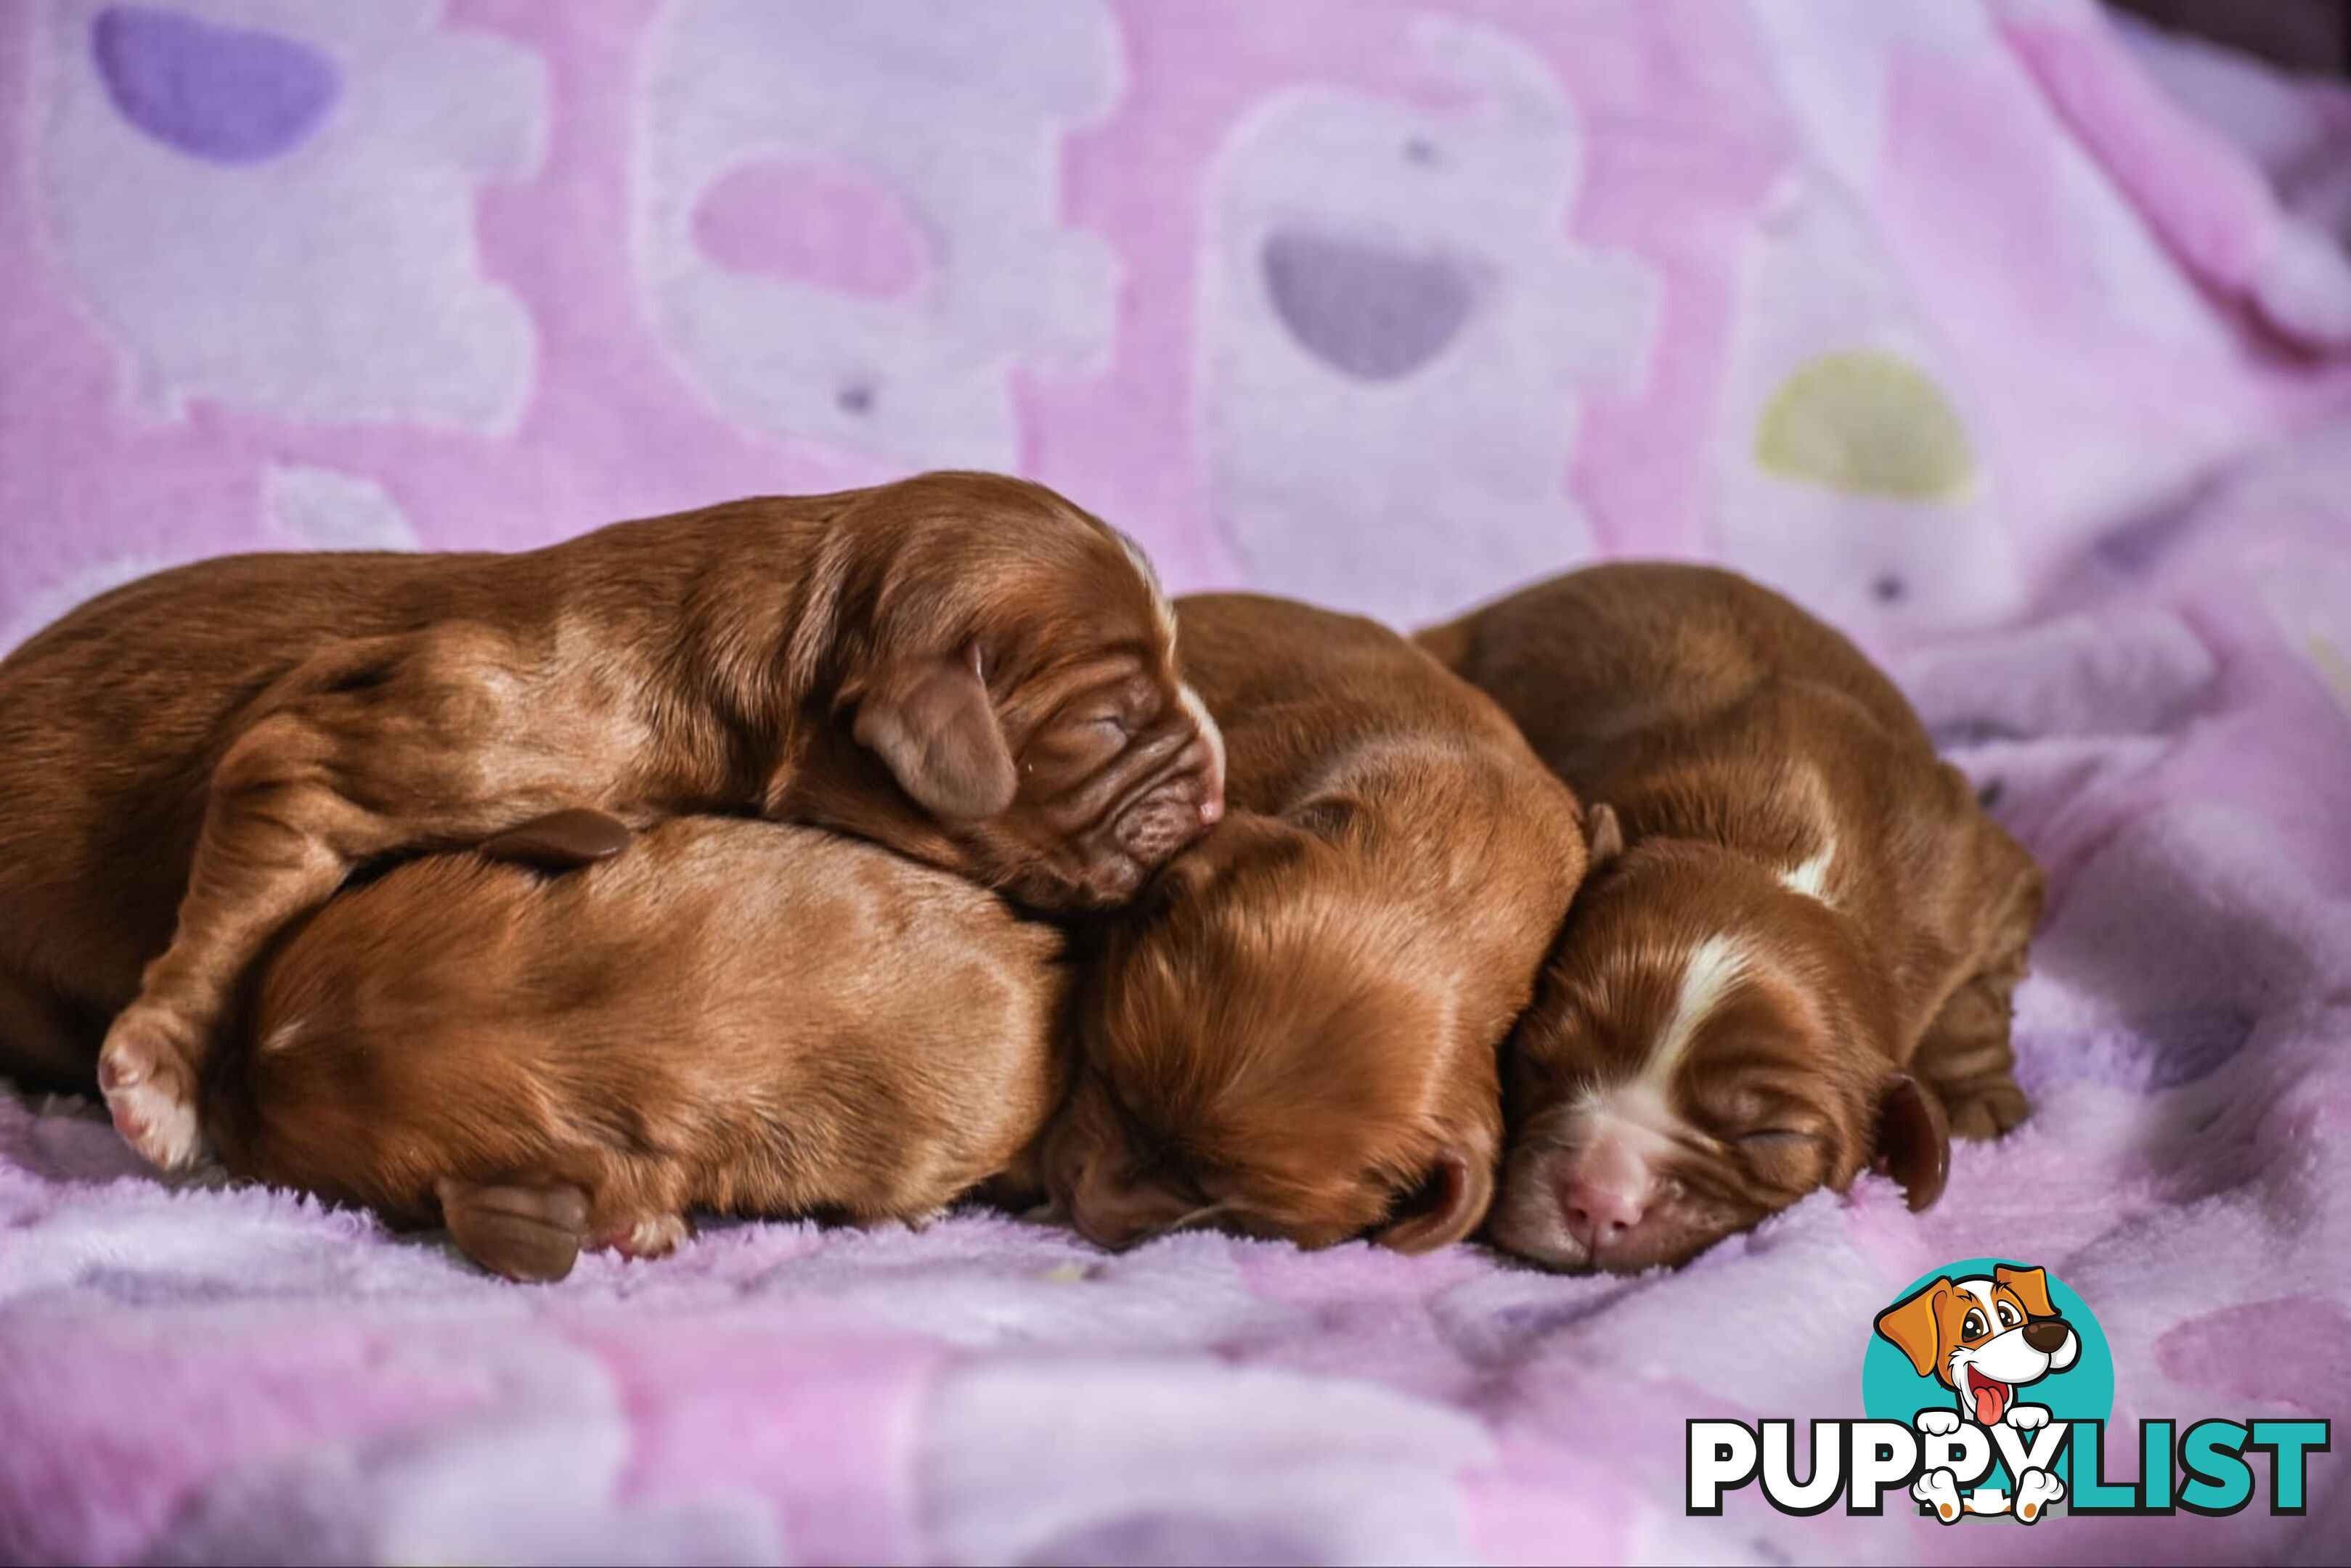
[1777, 1144]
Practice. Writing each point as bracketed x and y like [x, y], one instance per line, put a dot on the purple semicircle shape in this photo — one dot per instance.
[1366, 310]
[231, 95]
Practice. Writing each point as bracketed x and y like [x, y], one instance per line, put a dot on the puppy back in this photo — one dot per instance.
[741, 1015]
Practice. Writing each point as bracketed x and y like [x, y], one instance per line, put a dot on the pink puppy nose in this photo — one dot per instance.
[1604, 1195]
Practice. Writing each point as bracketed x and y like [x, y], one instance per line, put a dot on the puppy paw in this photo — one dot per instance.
[2035, 1492]
[654, 1236]
[2027, 1418]
[1984, 1109]
[1939, 1489]
[144, 1072]
[1938, 1423]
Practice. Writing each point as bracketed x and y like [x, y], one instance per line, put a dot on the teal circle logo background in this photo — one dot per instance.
[1892, 1391]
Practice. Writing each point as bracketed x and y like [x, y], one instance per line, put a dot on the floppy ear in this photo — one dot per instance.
[1447, 1208]
[931, 723]
[1916, 1329]
[2032, 1288]
[1914, 1142]
[562, 841]
[526, 1233]
[1603, 837]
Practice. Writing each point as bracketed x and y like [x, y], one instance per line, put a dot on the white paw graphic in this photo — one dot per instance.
[1939, 1423]
[1939, 1489]
[2028, 1418]
[2035, 1492]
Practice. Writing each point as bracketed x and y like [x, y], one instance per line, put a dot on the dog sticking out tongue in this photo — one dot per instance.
[1991, 1398]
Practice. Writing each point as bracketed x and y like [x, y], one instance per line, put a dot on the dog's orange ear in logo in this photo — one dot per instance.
[2032, 1288]
[1913, 1325]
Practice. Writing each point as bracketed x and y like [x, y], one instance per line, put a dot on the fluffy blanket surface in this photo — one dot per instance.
[2011, 339]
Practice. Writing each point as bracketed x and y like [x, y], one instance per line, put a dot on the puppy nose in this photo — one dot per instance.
[1605, 1194]
[1599, 1214]
[2047, 1335]
[1088, 1206]
[1107, 1227]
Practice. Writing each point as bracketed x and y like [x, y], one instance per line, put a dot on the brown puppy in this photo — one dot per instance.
[1800, 963]
[730, 1015]
[964, 667]
[1298, 1039]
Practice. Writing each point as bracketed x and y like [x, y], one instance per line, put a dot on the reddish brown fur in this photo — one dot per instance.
[730, 1015]
[1736, 737]
[1300, 1039]
[191, 762]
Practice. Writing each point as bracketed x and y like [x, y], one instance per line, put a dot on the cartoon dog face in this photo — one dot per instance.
[1983, 1338]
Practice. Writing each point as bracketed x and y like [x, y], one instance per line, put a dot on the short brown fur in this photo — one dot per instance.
[1735, 738]
[191, 762]
[730, 1015]
[1298, 1039]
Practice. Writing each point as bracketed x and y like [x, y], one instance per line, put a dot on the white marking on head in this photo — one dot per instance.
[1715, 966]
[1812, 878]
[1639, 1106]
[1161, 609]
[1208, 732]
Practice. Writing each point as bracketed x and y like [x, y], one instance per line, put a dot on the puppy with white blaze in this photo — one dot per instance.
[1792, 956]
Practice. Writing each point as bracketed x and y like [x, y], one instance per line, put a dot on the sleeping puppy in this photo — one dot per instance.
[1297, 1038]
[724, 1015]
[1795, 955]
[964, 667]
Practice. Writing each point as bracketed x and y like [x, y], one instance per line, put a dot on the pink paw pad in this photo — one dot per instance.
[154, 1118]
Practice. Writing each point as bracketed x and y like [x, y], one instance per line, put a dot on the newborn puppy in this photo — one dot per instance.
[1298, 1038]
[723, 1015]
[1795, 954]
[964, 667]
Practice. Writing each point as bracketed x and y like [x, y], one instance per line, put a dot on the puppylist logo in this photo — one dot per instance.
[1987, 1385]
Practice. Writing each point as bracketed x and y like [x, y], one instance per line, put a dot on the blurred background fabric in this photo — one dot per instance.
[2013, 335]
[1392, 304]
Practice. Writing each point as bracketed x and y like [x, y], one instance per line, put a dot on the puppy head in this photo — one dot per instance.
[1706, 1048]
[1983, 1337]
[1266, 1052]
[1016, 674]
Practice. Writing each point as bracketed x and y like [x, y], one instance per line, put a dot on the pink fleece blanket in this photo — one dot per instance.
[2012, 342]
